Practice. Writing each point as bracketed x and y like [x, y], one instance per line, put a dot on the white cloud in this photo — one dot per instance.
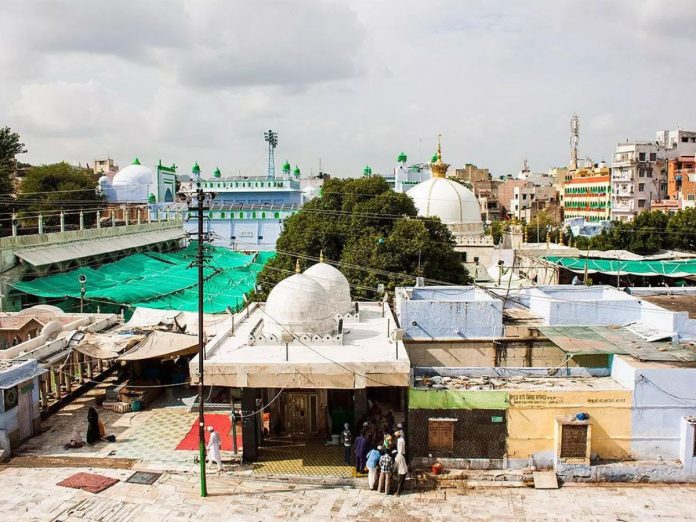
[352, 82]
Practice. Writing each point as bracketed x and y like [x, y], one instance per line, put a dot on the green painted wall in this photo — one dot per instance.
[457, 399]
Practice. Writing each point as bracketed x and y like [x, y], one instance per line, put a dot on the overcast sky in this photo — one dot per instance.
[351, 82]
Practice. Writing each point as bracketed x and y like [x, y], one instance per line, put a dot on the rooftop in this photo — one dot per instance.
[520, 382]
[367, 356]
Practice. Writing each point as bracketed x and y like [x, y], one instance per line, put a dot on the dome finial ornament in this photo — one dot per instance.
[438, 167]
[297, 266]
[321, 255]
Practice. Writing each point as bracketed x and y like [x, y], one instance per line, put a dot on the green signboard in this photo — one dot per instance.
[457, 400]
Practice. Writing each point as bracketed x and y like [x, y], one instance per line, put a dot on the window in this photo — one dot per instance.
[573, 441]
[641, 203]
[691, 197]
[440, 435]
[641, 173]
[653, 156]
[641, 187]
[524, 196]
[685, 140]
[641, 156]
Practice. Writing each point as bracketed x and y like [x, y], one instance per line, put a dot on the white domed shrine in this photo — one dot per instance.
[133, 183]
[455, 205]
[298, 305]
[335, 284]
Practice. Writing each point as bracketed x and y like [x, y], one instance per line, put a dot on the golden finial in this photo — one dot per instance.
[321, 255]
[297, 266]
[439, 147]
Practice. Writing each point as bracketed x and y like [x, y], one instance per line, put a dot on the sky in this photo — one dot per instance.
[350, 82]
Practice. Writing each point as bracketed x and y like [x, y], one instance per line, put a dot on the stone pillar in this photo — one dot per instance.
[90, 367]
[98, 219]
[126, 215]
[14, 225]
[82, 220]
[68, 379]
[139, 216]
[113, 219]
[359, 407]
[62, 221]
[250, 446]
[41, 223]
[52, 382]
[43, 391]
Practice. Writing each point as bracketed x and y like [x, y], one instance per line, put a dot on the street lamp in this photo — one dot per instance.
[82, 279]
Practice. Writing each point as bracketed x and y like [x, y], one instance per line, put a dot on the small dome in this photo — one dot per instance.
[104, 181]
[300, 305]
[286, 166]
[296, 172]
[335, 284]
[217, 173]
[151, 199]
[402, 158]
[452, 202]
[367, 171]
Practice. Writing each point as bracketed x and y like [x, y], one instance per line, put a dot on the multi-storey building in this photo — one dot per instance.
[681, 180]
[472, 174]
[588, 194]
[638, 176]
[404, 176]
[247, 212]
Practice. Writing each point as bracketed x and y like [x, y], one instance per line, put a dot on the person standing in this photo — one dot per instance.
[400, 443]
[360, 449]
[385, 470]
[401, 470]
[347, 439]
[213, 448]
[372, 458]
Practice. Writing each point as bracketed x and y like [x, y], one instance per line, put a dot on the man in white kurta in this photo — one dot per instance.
[213, 448]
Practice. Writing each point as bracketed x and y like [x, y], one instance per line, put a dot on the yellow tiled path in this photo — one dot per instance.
[301, 457]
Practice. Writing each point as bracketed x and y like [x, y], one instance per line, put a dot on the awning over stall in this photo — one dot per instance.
[160, 345]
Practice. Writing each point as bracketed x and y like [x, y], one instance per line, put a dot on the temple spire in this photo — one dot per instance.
[321, 255]
[297, 266]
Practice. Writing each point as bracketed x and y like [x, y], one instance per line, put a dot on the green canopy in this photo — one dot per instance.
[618, 267]
[161, 280]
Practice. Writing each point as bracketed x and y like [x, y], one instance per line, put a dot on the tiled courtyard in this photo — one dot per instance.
[33, 495]
[297, 457]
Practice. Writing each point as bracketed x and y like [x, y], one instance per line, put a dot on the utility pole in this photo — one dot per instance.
[200, 196]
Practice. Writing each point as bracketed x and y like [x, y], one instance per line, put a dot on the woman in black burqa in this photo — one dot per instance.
[93, 433]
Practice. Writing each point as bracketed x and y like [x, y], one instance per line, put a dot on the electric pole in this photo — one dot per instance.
[200, 196]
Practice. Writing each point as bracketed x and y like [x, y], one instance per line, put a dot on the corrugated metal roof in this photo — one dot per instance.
[584, 340]
[79, 249]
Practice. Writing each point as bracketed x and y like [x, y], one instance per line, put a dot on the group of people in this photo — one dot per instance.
[382, 454]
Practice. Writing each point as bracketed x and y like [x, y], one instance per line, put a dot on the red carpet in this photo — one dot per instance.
[88, 481]
[222, 425]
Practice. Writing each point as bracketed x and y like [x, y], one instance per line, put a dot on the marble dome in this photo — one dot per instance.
[335, 284]
[298, 304]
[452, 202]
[133, 183]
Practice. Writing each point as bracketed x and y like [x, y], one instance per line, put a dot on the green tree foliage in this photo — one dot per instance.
[539, 226]
[48, 189]
[10, 146]
[681, 229]
[373, 232]
[648, 233]
[496, 230]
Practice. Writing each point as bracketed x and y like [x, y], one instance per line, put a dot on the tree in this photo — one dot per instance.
[10, 146]
[373, 232]
[539, 226]
[681, 229]
[496, 230]
[48, 189]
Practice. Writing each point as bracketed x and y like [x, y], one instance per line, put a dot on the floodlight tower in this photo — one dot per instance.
[271, 138]
[574, 140]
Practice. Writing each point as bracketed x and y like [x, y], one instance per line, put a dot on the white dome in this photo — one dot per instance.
[300, 305]
[134, 174]
[452, 202]
[335, 284]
